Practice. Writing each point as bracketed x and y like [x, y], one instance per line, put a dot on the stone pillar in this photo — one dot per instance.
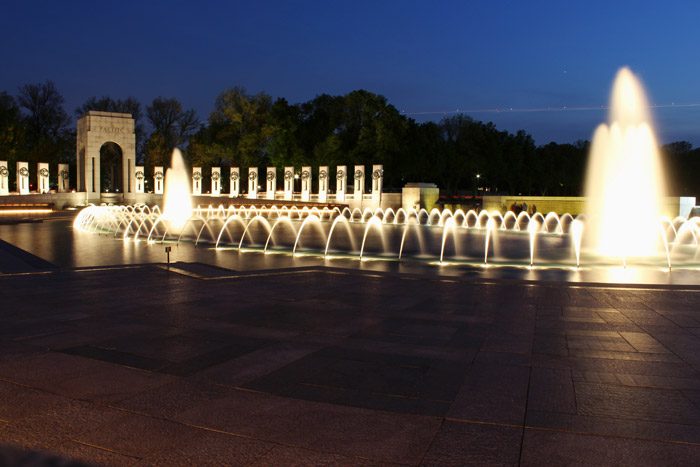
[323, 184]
[158, 180]
[252, 182]
[129, 176]
[216, 181]
[377, 179]
[235, 182]
[196, 180]
[92, 175]
[271, 182]
[139, 179]
[289, 183]
[23, 178]
[341, 182]
[4, 179]
[42, 178]
[63, 178]
[359, 182]
[306, 183]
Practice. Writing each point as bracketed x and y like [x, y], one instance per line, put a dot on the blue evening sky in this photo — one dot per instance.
[426, 57]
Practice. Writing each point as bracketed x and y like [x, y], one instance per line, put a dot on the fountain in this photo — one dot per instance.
[177, 201]
[624, 191]
[624, 181]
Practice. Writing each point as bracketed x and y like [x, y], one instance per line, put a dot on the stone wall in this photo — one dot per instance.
[389, 200]
[673, 205]
[59, 200]
[420, 196]
[573, 205]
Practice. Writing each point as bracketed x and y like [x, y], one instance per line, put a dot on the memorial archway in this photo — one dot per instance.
[98, 134]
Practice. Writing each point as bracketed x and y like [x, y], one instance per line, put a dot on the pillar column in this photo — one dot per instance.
[158, 180]
[323, 184]
[341, 182]
[306, 183]
[23, 178]
[235, 176]
[252, 182]
[271, 182]
[196, 180]
[42, 178]
[4, 179]
[359, 181]
[63, 178]
[139, 179]
[377, 181]
[288, 183]
[216, 181]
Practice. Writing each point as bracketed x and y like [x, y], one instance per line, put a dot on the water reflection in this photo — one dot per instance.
[56, 241]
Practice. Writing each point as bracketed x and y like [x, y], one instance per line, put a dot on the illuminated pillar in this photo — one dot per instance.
[42, 178]
[359, 181]
[196, 180]
[252, 182]
[377, 179]
[4, 178]
[306, 183]
[139, 179]
[271, 182]
[63, 178]
[23, 178]
[158, 180]
[341, 182]
[216, 181]
[235, 190]
[288, 183]
[322, 184]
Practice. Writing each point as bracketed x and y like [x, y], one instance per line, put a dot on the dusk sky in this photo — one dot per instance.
[426, 58]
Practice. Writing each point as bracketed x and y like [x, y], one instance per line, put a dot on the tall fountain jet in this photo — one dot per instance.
[624, 181]
[177, 203]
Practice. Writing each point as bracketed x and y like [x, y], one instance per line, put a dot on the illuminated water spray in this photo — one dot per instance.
[624, 181]
[178, 204]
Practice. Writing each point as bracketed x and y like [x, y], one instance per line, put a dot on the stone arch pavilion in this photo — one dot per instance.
[96, 129]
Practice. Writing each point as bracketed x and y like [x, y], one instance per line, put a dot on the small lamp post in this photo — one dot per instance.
[476, 188]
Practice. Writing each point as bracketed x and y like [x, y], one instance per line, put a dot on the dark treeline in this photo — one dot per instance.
[363, 128]
[360, 127]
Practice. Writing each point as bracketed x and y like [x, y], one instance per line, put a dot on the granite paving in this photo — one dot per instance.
[197, 365]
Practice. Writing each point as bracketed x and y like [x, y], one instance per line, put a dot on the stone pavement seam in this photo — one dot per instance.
[277, 443]
[427, 450]
[527, 401]
[606, 435]
[104, 449]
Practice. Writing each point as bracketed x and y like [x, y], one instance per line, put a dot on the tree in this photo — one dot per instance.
[423, 154]
[320, 126]
[13, 145]
[463, 156]
[48, 138]
[284, 148]
[170, 122]
[678, 147]
[45, 117]
[240, 127]
[130, 105]
[373, 132]
[172, 127]
[682, 164]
